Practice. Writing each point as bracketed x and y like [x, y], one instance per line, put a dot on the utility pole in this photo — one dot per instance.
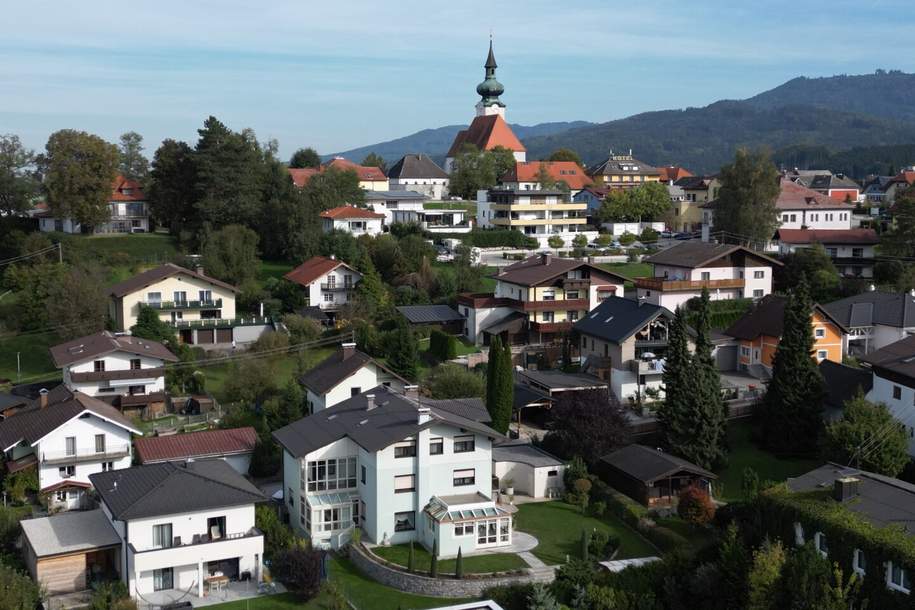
[60, 252]
[18, 369]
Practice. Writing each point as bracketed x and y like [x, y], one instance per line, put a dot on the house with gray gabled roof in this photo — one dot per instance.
[400, 468]
[875, 319]
[418, 173]
[652, 476]
[346, 373]
[185, 528]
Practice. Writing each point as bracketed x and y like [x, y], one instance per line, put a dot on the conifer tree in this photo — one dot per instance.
[708, 390]
[403, 356]
[792, 413]
[492, 375]
[370, 290]
[459, 565]
[674, 425]
[505, 391]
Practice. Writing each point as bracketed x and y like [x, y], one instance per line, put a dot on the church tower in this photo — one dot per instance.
[490, 89]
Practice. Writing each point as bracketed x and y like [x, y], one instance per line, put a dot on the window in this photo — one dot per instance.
[706, 276]
[404, 483]
[154, 297]
[819, 333]
[404, 522]
[436, 446]
[355, 391]
[65, 472]
[859, 562]
[819, 540]
[100, 443]
[757, 294]
[552, 473]
[135, 364]
[99, 366]
[136, 390]
[758, 275]
[571, 294]
[163, 579]
[71, 445]
[328, 297]
[857, 252]
[61, 495]
[406, 449]
[464, 477]
[547, 316]
[572, 316]
[362, 474]
[463, 444]
[290, 497]
[549, 296]
[180, 296]
[822, 354]
[162, 535]
[103, 390]
[106, 466]
[216, 528]
[331, 475]
[205, 296]
[898, 578]
[463, 529]
[832, 252]
[897, 392]
[745, 351]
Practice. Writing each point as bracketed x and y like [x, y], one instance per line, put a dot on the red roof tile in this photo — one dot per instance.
[828, 236]
[348, 211]
[487, 132]
[906, 176]
[124, 189]
[674, 172]
[365, 172]
[301, 175]
[567, 171]
[794, 196]
[209, 443]
[312, 269]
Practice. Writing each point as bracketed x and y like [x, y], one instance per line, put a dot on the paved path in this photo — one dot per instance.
[531, 560]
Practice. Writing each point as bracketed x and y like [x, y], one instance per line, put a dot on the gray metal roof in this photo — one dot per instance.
[336, 368]
[69, 532]
[616, 319]
[167, 488]
[843, 382]
[895, 361]
[524, 453]
[429, 314]
[870, 308]
[525, 395]
[393, 418]
[416, 166]
[881, 500]
[646, 464]
[558, 380]
[105, 342]
[695, 253]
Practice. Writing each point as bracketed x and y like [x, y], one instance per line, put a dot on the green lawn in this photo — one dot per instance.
[276, 269]
[496, 562]
[284, 368]
[698, 536]
[558, 527]
[745, 454]
[34, 358]
[283, 601]
[152, 248]
[630, 270]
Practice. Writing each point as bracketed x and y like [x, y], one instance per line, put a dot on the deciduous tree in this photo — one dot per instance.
[230, 254]
[305, 157]
[815, 266]
[78, 170]
[565, 154]
[589, 424]
[172, 191]
[18, 183]
[868, 436]
[745, 206]
[375, 160]
[131, 162]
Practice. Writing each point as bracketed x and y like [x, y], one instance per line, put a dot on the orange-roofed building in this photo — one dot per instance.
[524, 175]
[899, 183]
[370, 178]
[672, 173]
[357, 221]
[128, 212]
[328, 282]
[301, 175]
[488, 129]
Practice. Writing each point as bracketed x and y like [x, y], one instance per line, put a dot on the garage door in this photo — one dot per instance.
[223, 335]
[726, 357]
[205, 336]
[63, 574]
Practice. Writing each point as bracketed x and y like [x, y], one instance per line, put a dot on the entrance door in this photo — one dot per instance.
[163, 579]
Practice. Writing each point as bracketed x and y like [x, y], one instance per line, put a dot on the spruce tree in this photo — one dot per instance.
[792, 410]
[403, 356]
[711, 405]
[370, 291]
[674, 424]
[504, 397]
[459, 565]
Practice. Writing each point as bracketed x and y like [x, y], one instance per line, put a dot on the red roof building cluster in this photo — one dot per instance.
[347, 211]
[125, 189]
[366, 173]
[567, 171]
[794, 196]
[672, 173]
[858, 237]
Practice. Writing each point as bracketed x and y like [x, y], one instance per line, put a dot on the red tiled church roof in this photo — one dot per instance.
[487, 132]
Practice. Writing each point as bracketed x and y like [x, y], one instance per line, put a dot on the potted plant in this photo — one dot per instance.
[509, 486]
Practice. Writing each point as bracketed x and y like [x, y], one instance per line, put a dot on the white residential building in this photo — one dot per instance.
[352, 220]
[344, 374]
[328, 282]
[875, 319]
[436, 221]
[399, 469]
[184, 527]
[727, 271]
[67, 436]
[418, 173]
[539, 214]
[390, 202]
[116, 367]
[127, 209]
[851, 250]
[893, 367]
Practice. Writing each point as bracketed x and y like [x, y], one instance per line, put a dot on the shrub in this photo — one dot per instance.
[554, 241]
[627, 238]
[510, 597]
[301, 329]
[602, 544]
[493, 238]
[664, 538]
[695, 506]
[299, 568]
[648, 236]
[580, 241]
[278, 536]
[442, 345]
[455, 381]
[111, 595]
[621, 506]
[576, 469]
[18, 592]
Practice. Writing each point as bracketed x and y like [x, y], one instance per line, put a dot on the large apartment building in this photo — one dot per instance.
[539, 214]
[536, 300]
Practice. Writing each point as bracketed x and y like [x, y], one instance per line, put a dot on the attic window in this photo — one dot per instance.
[76, 349]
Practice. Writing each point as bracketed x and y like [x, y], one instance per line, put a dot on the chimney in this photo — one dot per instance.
[42, 398]
[199, 269]
[423, 415]
[333, 257]
[347, 349]
[411, 392]
[845, 489]
[546, 258]
[370, 402]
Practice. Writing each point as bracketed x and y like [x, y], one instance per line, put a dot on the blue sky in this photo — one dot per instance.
[336, 75]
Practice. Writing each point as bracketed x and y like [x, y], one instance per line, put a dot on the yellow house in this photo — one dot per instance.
[623, 171]
[758, 333]
[697, 191]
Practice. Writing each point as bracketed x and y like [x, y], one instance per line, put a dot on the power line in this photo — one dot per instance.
[15, 259]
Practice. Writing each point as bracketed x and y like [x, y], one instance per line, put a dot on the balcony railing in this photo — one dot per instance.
[551, 327]
[222, 322]
[85, 454]
[646, 367]
[336, 287]
[554, 305]
[148, 373]
[197, 539]
[210, 304]
[661, 284]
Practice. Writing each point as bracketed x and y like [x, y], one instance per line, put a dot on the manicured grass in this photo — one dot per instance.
[558, 526]
[630, 270]
[743, 454]
[276, 269]
[478, 564]
[152, 248]
[283, 601]
[284, 369]
[366, 594]
[34, 358]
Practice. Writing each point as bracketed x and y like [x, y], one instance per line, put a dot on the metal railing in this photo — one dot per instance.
[85, 454]
[184, 304]
[197, 539]
[222, 322]
[337, 287]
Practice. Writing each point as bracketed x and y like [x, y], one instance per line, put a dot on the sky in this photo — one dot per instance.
[336, 75]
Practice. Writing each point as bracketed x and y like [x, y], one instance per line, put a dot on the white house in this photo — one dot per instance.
[200, 307]
[443, 220]
[727, 271]
[894, 382]
[539, 214]
[851, 250]
[127, 209]
[68, 436]
[875, 319]
[184, 528]
[531, 471]
[114, 366]
[418, 173]
[390, 202]
[344, 374]
[352, 220]
[234, 445]
[328, 282]
[400, 469]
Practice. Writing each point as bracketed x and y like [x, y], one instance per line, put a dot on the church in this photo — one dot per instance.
[488, 128]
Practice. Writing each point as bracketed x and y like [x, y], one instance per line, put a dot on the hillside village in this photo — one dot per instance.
[497, 383]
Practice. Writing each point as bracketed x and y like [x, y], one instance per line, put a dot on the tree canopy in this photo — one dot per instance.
[230, 254]
[375, 160]
[78, 170]
[869, 437]
[745, 207]
[18, 182]
[475, 169]
[305, 157]
[131, 162]
[565, 154]
[646, 202]
[587, 424]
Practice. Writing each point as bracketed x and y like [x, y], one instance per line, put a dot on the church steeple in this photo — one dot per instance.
[490, 89]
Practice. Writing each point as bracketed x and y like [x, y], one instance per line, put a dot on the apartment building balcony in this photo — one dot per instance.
[337, 287]
[663, 285]
[88, 454]
[199, 547]
[222, 322]
[575, 283]
[125, 374]
[551, 327]
[646, 367]
[551, 305]
[165, 305]
[537, 207]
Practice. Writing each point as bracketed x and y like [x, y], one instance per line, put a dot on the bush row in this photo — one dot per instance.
[442, 345]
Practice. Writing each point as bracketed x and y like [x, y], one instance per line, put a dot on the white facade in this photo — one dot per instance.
[757, 283]
[435, 221]
[180, 298]
[369, 376]
[533, 481]
[117, 361]
[433, 188]
[333, 290]
[545, 216]
[819, 219]
[356, 226]
[391, 208]
[900, 400]
[619, 228]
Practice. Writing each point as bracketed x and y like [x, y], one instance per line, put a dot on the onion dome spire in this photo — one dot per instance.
[490, 89]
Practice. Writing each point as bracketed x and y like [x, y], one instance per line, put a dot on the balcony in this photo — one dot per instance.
[576, 283]
[555, 305]
[82, 455]
[150, 373]
[164, 305]
[337, 287]
[198, 547]
[551, 327]
[222, 322]
[663, 285]
[646, 367]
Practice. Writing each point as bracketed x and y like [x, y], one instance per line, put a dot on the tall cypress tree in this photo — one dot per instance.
[505, 391]
[403, 356]
[674, 422]
[792, 410]
[492, 374]
[709, 404]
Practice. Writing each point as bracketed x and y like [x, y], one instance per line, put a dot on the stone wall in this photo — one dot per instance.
[469, 586]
